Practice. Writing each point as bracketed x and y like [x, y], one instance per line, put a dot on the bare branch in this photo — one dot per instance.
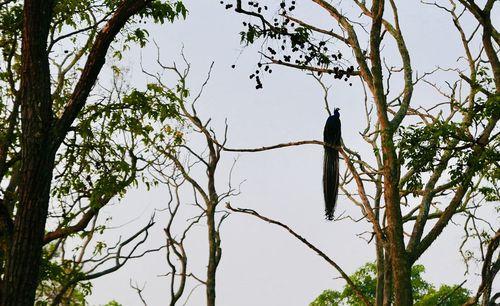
[309, 245]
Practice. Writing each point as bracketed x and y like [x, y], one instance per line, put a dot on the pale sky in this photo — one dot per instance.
[262, 264]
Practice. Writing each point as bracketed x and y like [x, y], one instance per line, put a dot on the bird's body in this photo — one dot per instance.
[331, 136]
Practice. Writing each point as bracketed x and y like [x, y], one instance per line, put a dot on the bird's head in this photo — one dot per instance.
[336, 112]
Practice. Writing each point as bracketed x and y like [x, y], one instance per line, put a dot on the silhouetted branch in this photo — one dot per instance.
[308, 244]
[139, 292]
[491, 266]
[117, 256]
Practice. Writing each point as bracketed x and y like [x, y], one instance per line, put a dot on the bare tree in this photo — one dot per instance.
[186, 159]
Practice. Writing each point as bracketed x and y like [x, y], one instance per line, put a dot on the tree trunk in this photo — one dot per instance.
[401, 279]
[381, 266]
[387, 282]
[213, 255]
[37, 154]
[397, 252]
[401, 267]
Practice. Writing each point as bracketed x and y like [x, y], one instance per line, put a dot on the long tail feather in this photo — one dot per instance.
[330, 180]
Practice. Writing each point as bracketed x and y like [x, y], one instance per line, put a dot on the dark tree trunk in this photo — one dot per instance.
[212, 258]
[214, 249]
[387, 282]
[37, 157]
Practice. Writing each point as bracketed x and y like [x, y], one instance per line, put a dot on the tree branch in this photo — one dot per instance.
[353, 286]
[95, 62]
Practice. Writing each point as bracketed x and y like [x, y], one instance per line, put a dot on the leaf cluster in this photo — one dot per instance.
[54, 273]
[422, 148]
[424, 293]
[161, 11]
[287, 42]
[113, 141]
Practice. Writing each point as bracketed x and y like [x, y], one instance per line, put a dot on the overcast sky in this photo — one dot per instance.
[262, 264]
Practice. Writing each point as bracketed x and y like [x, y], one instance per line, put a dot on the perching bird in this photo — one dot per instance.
[331, 136]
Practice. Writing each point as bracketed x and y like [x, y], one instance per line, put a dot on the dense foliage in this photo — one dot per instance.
[425, 294]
